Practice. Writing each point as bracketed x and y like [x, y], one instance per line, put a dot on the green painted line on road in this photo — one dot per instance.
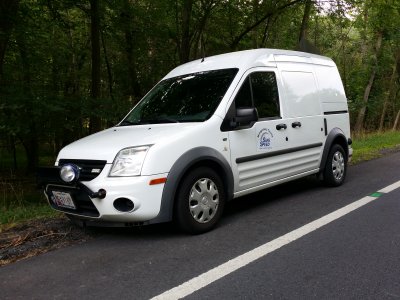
[376, 194]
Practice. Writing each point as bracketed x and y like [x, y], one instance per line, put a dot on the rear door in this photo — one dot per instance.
[303, 114]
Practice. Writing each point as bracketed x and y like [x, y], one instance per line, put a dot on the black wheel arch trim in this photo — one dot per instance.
[180, 167]
[334, 135]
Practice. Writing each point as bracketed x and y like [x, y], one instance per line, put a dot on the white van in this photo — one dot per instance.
[211, 130]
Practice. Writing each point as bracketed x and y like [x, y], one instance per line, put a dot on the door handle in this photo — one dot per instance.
[281, 126]
[296, 124]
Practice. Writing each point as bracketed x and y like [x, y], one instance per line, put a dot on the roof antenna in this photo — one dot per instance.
[203, 51]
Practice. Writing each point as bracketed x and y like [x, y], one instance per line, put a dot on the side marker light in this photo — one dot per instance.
[158, 181]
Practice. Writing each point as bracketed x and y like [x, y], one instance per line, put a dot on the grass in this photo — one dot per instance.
[20, 201]
[12, 216]
[374, 145]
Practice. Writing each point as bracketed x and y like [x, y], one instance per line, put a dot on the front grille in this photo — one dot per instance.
[83, 203]
[90, 169]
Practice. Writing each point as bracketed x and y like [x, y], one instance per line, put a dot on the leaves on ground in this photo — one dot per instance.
[38, 236]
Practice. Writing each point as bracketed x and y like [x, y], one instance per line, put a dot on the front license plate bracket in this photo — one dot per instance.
[63, 199]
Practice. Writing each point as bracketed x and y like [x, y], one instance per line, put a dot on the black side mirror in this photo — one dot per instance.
[244, 117]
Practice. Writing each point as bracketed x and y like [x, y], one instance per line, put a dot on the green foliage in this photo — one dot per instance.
[45, 83]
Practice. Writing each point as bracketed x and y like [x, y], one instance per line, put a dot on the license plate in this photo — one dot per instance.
[63, 199]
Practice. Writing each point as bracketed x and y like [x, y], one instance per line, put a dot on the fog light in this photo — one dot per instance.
[124, 205]
[69, 173]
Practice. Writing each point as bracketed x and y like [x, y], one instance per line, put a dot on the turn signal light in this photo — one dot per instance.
[158, 181]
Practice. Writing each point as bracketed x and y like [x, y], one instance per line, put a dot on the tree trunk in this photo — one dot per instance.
[31, 147]
[198, 44]
[95, 121]
[265, 34]
[396, 121]
[13, 150]
[184, 51]
[304, 23]
[363, 32]
[127, 18]
[391, 92]
[28, 136]
[303, 43]
[254, 35]
[267, 15]
[359, 126]
[109, 73]
[71, 90]
[8, 12]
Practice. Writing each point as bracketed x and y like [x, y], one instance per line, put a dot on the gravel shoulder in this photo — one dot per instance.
[34, 237]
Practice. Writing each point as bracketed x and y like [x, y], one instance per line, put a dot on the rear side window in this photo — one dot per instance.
[260, 90]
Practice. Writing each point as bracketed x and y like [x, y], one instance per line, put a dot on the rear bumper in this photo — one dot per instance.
[350, 154]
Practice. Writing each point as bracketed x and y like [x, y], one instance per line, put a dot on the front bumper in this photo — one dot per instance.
[146, 198]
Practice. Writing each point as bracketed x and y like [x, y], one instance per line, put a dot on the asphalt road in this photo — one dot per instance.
[356, 256]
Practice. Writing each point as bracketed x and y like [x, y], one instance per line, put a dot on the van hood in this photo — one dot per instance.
[106, 144]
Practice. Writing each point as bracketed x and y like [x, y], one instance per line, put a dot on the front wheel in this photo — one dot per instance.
[336, 166]
[200, 201]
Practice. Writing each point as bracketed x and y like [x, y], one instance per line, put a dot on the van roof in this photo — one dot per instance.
[249, 59]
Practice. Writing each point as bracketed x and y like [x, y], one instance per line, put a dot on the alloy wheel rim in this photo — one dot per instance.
[338, 165]
[203, 200]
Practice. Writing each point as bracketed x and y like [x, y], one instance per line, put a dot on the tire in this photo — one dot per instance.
[200, 201]
[336, 166]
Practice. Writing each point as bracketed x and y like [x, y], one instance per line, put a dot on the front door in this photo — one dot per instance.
[274, 148]
[257, 153]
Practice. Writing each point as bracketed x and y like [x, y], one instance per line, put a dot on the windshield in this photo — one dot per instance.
[187, 98]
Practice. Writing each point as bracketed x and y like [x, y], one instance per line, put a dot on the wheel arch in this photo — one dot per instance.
[335, 136]
[200, 156]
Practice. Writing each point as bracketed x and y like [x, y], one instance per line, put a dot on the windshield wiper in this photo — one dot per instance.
[128, 123]
[157, 121]
[148, 121]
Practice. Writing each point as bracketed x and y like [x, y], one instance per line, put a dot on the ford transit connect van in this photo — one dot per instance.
[211, 130]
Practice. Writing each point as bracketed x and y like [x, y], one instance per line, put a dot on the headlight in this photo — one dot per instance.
[129, 161]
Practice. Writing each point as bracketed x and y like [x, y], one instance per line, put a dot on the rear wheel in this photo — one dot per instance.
[200, 201]
[336, 166]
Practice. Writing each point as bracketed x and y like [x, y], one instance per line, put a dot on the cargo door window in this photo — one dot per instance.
[302, 94]
[260, 90]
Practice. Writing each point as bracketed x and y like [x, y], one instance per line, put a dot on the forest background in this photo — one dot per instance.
[71, 68]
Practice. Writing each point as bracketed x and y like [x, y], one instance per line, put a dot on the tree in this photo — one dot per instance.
[361, 114]
[127, 17]
[304, 44]
[68, 68]
[95, 121]
[8, 13]
[380, 23]
[269, 12]
[392, 89]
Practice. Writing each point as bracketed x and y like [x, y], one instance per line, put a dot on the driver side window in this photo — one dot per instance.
[260, 90]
